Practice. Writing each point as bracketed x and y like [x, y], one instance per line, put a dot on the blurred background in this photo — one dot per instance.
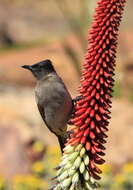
[31, 31]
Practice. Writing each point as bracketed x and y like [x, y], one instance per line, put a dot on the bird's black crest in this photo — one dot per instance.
[41, 69]
[46, 64]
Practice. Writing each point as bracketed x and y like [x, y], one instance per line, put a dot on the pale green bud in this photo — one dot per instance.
[71, 172]
[72, 187]
[67, 147]
[65, 161]
[82, 152]
[82, 167]
[58, 187]
[78, 147]
[86, 159]
[63, 176]
[86, 175]
[69, 150]
[92, 180]
[75, 178]
[68, 165]
[77, 162]
[59, 171]
[88, 186]
[64, 156]
[66, 183]
[73, 156]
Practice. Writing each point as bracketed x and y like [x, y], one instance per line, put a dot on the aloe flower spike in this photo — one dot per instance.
[85, 147]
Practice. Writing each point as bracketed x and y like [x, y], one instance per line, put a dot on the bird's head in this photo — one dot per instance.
[39, 70]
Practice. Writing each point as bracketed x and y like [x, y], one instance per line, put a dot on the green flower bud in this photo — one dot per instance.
[82, 152]
[64, 156]
[88, 186]
[86, 160]
[68, 165]
[63, 175]
[67, 147]
[69, 150]
[82, 167]
[73, 156]
[58, 187]
[75, 178]
[72, 187]
[66, 183]
[71, 172]
[77, 162]
[86, 175]
[78, 147]
[92, 180]
[65, 161]
[59, 171]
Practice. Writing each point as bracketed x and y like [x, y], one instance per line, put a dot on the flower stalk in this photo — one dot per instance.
[83, 153]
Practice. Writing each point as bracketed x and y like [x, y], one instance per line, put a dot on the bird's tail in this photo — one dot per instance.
[62, 141]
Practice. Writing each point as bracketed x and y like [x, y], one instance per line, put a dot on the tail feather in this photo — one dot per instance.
[62, 141]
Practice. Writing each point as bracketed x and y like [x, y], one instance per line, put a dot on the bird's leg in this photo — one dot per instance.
[77, 98]
[69, 133]
[69, 121]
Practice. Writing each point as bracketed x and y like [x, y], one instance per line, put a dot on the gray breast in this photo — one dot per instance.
[56, 102]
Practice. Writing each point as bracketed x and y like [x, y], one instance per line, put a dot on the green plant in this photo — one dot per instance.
[28, 182]
[38, 146]
[41, 173]
[51, 160]
[38, 169]
[3, 185]
[124, 180]
[107, 177]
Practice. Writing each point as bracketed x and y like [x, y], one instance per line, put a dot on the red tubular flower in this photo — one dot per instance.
[85, 147]
[92, 112]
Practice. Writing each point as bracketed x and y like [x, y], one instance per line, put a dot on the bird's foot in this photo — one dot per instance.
[69, 122]
[69, 133]
[77, 98]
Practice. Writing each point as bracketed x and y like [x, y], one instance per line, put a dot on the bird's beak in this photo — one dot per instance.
[27, 67]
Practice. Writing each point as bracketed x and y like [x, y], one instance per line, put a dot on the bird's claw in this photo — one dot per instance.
[77, 98]
[68, 134]
[69, 122]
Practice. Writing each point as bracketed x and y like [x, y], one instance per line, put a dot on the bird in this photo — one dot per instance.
[53, 100]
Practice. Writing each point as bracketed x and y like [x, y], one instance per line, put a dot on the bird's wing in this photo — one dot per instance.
[61, 139]
[42, 112]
